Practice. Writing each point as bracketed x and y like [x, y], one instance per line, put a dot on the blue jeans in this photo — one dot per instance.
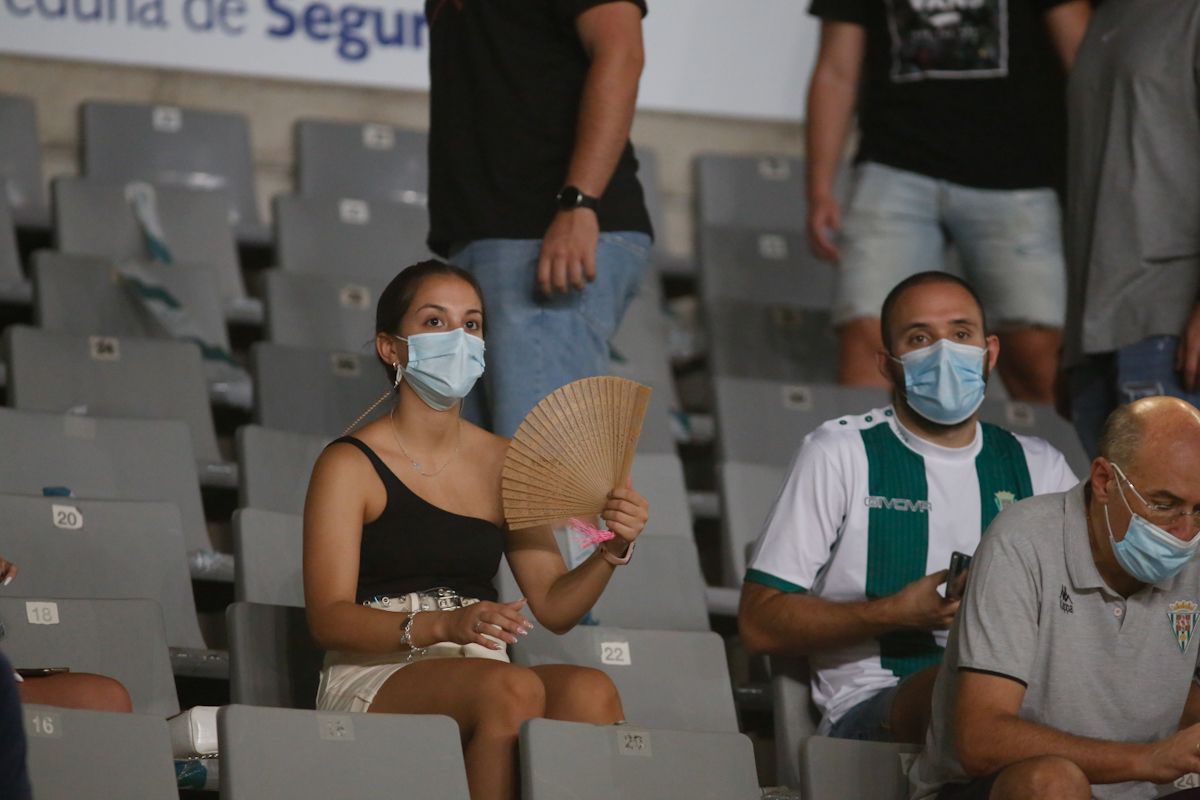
[536, 344]
[1106, 380]
[898, 222]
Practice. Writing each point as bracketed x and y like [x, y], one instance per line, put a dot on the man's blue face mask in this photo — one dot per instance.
[1148, 552]
[944, 382]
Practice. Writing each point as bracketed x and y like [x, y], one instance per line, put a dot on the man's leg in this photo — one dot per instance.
[1029, 362]
[537, 344]
[1011, 248]
[892, 231]
[909, 716]
[1041, 778]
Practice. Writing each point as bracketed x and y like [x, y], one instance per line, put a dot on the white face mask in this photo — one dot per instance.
[442, 366]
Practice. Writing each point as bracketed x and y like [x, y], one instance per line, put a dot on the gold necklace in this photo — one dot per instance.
[416, 464]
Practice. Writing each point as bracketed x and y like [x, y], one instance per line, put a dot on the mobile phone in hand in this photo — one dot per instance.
[956, 580]
[41, 672]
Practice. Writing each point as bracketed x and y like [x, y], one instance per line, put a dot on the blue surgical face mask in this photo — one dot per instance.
[1148, 552]
[442, 366]
[944, 382]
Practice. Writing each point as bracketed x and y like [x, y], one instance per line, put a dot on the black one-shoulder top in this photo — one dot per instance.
[414, 545]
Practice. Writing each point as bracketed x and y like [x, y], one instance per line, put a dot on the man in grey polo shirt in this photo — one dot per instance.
[1132, 217]
[1069, 669]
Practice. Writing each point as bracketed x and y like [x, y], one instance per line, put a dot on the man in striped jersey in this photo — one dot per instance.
[848, 568]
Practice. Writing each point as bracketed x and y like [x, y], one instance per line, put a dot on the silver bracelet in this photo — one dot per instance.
[406, 637]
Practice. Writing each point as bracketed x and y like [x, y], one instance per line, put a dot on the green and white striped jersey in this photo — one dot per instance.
[869, 507]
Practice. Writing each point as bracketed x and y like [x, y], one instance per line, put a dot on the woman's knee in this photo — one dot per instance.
[78, 690]
[511, 696]
[586, 695]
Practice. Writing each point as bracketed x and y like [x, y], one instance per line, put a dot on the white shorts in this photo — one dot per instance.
[349, 681]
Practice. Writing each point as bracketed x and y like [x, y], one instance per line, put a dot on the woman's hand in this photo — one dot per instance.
[8, 571]
[478, 621]
[626, 512]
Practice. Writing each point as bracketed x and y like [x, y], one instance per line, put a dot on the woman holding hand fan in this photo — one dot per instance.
[404, 527]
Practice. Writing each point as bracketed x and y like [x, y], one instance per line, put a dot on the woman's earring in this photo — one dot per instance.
[399, 375]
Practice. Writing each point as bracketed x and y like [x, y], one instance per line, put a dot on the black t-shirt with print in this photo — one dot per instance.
[968, 91]
[506, 79]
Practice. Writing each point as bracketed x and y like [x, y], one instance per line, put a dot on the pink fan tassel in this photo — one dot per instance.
[589, 534]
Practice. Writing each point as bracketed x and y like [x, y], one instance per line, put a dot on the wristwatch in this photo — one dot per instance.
[570, 197]
[612, 558]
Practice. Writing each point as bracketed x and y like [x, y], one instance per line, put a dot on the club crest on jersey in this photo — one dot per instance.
[1004, 499]
[1183, 615]
[897, 503]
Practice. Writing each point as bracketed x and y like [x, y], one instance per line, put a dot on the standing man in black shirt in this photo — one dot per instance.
[962, 121]
[533, 182]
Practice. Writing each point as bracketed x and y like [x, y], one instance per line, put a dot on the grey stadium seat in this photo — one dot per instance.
[575, 761]
[371, 160]
[662, 588]
[760, 425]
[307, 390]
[106, 459]
[275, 467]
[763, 267]
[113, 377]
[333, 313]
[309, 755]
[341, 236]
[764, 421]
[84, 295]
[761, 192]
[1034, 419]
[122, 639]
[831, 769]
[667, 679]
[776, 342]
[659, 478]
[748, 492]
[98, 754]
[14, 287]
[658, 428]
[796, 717]
[269, 548]
[93, 218]
[172, 146]
[639, 348]
[102, 549]
[21, 162]
[273, 660]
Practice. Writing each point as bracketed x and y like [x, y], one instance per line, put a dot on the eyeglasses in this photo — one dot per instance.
[1161, 514]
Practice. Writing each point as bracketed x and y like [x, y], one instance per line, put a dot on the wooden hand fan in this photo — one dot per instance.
[573, 448]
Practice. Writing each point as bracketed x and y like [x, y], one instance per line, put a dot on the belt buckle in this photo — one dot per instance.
[445, 598]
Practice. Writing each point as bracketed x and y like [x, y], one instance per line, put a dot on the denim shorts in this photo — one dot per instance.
[350, 681]
[536, 344]
[1009, 242]
[867, 720]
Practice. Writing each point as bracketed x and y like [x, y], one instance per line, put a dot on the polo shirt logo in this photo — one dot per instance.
[1183, 615]
[1064, 601]
[898, 503]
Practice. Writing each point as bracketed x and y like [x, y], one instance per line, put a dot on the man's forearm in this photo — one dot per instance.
[989, 745]
[799, 625]
[830, 114]
[605, 118]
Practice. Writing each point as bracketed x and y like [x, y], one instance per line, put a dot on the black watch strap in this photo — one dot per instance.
[570, 197]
